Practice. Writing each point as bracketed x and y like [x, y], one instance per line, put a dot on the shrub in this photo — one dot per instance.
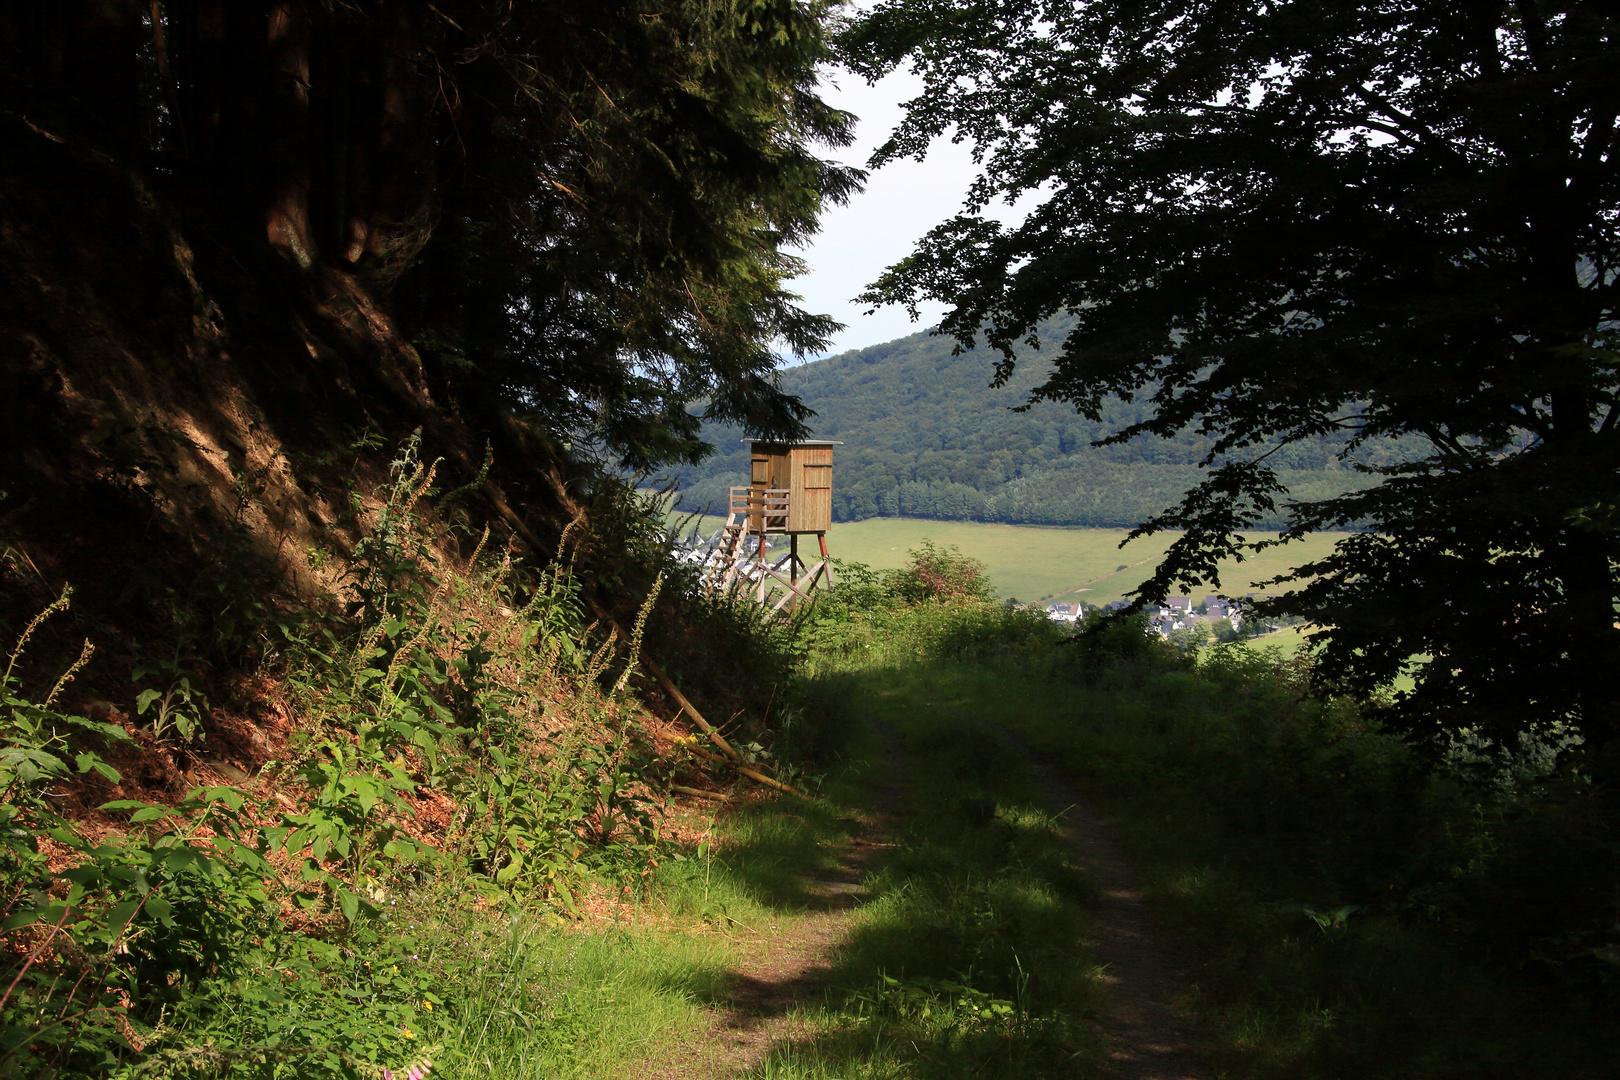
[940, 574]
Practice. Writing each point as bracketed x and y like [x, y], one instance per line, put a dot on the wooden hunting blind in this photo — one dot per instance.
[804, 471]
[789, 493]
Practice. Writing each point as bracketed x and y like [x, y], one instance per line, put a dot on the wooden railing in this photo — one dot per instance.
[765, 509]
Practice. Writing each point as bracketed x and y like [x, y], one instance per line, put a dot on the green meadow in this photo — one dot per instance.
[1038, 563]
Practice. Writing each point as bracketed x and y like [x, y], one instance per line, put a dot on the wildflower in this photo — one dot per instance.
[428, 1005]
[408, 1033]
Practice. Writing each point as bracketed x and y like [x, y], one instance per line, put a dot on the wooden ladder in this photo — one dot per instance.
[730, 553]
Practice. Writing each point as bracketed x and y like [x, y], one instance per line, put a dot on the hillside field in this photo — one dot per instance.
[1038, 563]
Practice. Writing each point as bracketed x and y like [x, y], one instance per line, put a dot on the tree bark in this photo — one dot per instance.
[287, 168]
[101, 70]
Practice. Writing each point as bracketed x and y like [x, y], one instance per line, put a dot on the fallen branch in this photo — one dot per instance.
[755, 774]
[717, 796]
[680, 699]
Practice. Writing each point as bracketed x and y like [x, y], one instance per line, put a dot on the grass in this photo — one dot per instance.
[1279, 996]
[1034, 563]
[536, 1002]
[968, 960]
[536, 996]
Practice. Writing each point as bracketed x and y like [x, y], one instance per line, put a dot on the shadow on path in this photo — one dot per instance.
[1146, 1026]
[779, 974]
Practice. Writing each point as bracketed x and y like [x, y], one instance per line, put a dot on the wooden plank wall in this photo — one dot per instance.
[811, 487]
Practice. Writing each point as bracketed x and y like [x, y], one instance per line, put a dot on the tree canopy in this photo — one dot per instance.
[1277, 220]
[575, 209]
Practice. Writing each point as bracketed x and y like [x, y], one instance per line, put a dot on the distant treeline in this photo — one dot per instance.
[925, 437]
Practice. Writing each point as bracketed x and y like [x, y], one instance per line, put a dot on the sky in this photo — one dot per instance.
[879, 226]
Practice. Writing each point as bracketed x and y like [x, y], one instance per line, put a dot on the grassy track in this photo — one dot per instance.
[1280, 997]
[963, 958]
[966, 960]
[1034, 563]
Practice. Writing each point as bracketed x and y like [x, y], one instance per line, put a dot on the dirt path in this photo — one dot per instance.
[779, 972]
[1147, 1027]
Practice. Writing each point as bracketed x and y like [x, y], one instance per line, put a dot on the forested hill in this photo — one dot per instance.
[926, 437]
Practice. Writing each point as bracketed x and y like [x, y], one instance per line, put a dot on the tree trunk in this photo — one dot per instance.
[101, 71]
[1586, 571]
[289, 144]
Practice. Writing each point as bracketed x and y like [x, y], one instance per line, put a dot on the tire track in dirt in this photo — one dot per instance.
[778, 974]
[1147, 1028]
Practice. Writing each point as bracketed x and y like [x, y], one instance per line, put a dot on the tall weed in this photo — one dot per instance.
[245, 931]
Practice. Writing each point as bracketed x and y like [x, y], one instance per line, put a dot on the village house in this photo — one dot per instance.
[1065, 612]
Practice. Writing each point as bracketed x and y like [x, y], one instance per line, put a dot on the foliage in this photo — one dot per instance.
[577, 210]
[1278, 221]
[1113, 645]
[161, 945]
[940, 604]
[942, 575]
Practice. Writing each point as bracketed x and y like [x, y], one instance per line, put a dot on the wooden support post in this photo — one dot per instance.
[761, 597]
[793, 560]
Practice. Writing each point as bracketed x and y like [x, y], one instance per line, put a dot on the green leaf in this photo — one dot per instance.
[181, 858]
[349, 902]
[120, 915]
[511, 870]
[22, 918]
[144, 701]
[227, 795]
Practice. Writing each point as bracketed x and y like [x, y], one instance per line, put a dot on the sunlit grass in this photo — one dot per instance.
[537, 1002]
[1036, 563]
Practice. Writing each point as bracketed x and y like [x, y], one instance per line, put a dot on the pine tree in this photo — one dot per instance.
[576, 210]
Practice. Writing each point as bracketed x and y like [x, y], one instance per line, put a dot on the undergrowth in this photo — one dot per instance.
[937, 607]
[467, 740]
[1350, 901]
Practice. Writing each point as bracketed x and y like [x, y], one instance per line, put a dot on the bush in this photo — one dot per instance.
[1109, 646]
[940, 605]
[942, 575]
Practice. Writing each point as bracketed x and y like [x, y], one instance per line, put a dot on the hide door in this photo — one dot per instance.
[811, 504]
